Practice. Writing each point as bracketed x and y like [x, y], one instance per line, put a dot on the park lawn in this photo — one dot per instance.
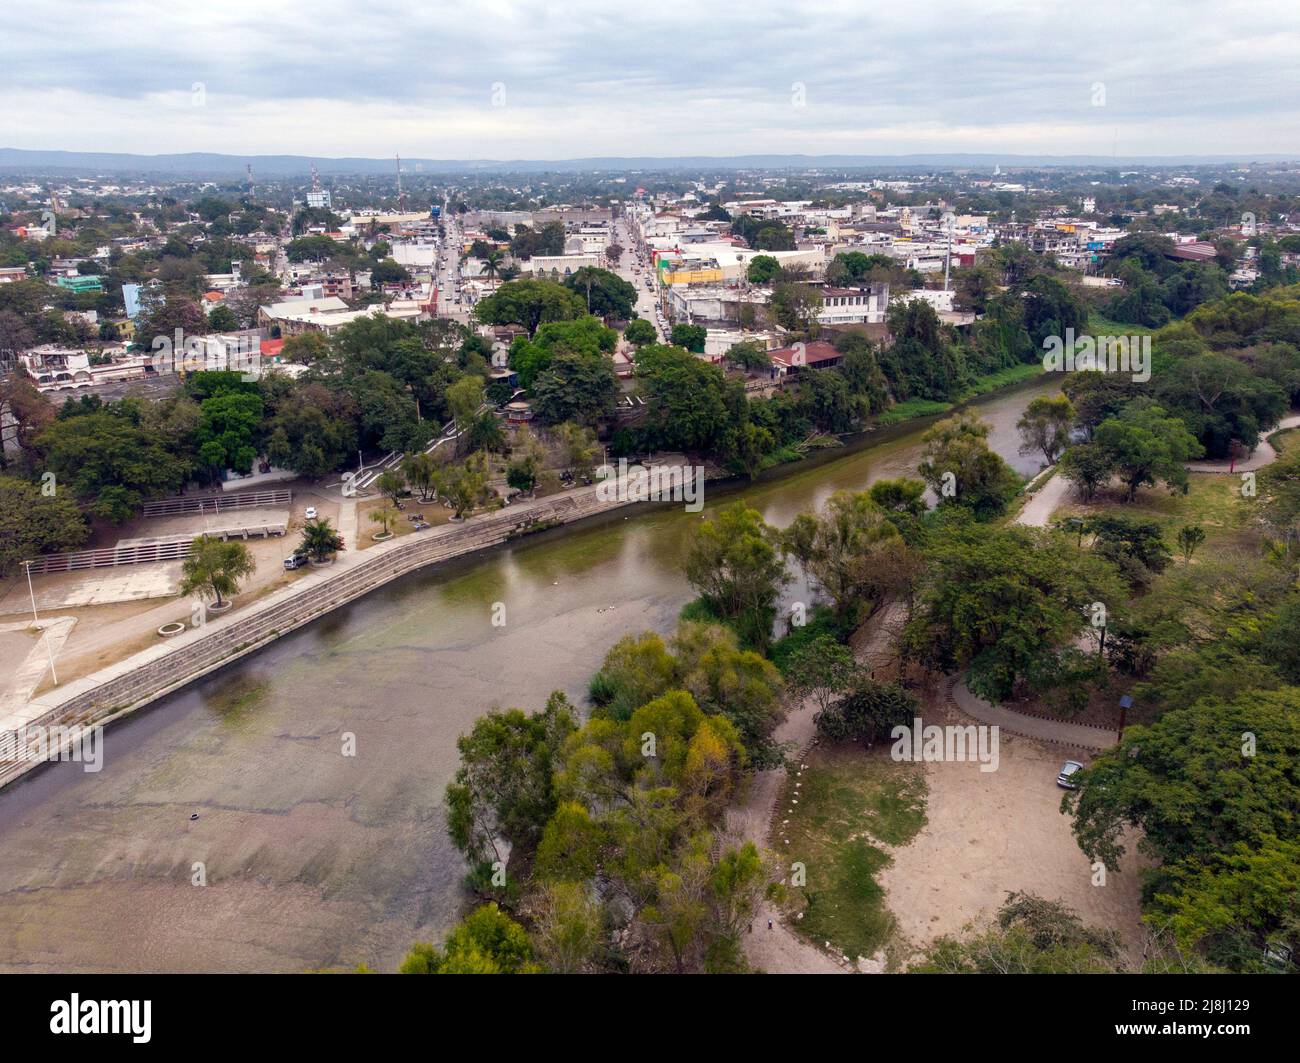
[1284, 441]
[853, 805]
[1100, 325]
[1213, 501]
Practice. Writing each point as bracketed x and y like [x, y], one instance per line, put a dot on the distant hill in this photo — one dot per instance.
[210, 164]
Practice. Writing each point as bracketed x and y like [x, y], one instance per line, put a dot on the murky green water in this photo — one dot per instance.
[310, 858]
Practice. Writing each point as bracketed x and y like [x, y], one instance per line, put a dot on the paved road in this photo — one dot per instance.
[1040, 507]
[1264, 453]
[1058, 732]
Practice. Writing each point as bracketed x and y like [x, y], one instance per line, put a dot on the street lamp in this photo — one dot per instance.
[37, 621]
[1125, 703]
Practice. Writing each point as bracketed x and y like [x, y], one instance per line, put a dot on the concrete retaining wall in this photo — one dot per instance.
[147, 676]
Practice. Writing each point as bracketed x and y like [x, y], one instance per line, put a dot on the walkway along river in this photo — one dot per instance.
[301, 857]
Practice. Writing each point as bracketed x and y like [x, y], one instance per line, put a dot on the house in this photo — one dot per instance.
[792, 360]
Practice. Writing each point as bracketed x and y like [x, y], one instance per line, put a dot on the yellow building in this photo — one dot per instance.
[692, 276]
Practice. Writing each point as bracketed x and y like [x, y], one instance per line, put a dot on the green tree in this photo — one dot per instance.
[1234, 904]
[110, 461]
[868, 710]
[1029, 936]
[422, 472]
[464, 398]
[529, 303]
[639, 332]
[607, 294]
[762, 269]
[227, 434]
[851, 550]
[1145, 445]
[691, 337]
[749, 355]
[577, 388]
[1195, 782]
[465, 486]
[821, 669]
[214, 568]
[1045, 426]
[502, 794]
[385, 517]
[319, 539]
[570, 930]
[1002, 600]
[34, 523]
[1087, 466]
[1190, 536]
[487, 941]
[962, 470]
[732, 561]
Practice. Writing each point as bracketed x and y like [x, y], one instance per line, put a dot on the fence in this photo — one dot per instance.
[168, 668]
[133, 553]
[172, 507]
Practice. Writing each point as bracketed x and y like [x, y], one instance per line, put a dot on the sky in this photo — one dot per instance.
[519, 79]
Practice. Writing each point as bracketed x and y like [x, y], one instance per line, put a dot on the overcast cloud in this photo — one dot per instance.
[501, 80]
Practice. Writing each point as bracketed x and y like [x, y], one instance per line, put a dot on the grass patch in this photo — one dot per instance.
[1100, 325]
[905, 411]
[1012, 374]
[1212, 501]
[852, 805]
[1285, 440]
[822, 622]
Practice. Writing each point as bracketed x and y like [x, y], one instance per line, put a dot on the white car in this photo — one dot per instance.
[1066, 778]
[311, 513]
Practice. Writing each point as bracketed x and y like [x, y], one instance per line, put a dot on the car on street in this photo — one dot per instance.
[311, 513]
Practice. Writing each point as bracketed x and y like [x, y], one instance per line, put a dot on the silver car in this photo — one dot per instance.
[1066, 778]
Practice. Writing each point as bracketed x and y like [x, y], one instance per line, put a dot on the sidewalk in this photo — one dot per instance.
[1264, 454]
[1058, 732]
[1040, 507]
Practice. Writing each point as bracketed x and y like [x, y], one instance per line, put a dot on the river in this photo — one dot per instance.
[228, 831]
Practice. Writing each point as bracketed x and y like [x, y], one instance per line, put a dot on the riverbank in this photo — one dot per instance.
[315, 859]
[144, 676]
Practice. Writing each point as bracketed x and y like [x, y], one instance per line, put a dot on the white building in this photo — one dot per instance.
[854, 306]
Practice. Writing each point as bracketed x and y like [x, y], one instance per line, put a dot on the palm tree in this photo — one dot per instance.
[586, 276]
[215, 568]
[492, 263]
[319, 539]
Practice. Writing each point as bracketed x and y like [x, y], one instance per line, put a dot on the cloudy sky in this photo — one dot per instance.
[503, 79]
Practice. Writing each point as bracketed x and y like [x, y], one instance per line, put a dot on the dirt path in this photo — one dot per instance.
[779, 950]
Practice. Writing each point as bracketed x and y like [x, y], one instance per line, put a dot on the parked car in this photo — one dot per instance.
[311, 513]
[1068, 770]
[295, 561]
